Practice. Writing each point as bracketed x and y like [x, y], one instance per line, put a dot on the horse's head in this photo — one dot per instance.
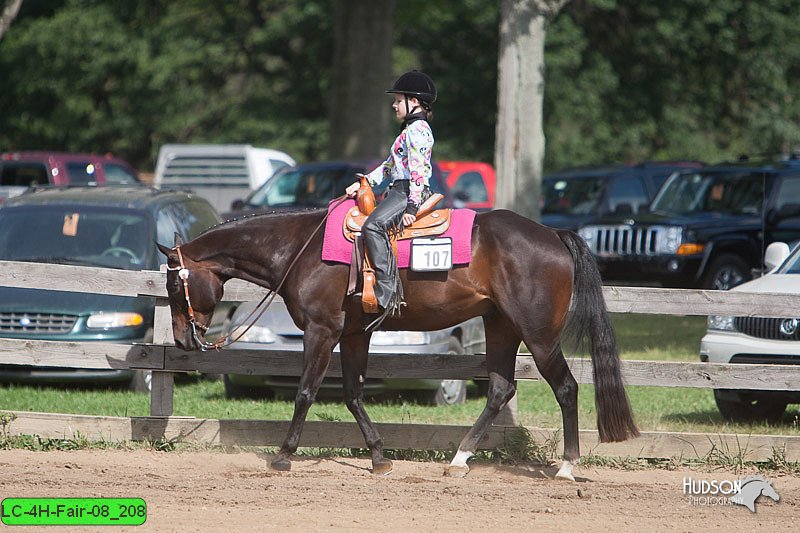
[768, 490]
[193, 288]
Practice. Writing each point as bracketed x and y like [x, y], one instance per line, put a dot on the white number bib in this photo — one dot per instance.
[431, 254]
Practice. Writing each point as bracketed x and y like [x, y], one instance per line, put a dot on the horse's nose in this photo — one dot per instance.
[184, 345]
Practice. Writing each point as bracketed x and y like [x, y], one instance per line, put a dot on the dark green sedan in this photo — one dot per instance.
[98, 227]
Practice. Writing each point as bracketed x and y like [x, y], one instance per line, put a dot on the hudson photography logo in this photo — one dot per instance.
[743, 491]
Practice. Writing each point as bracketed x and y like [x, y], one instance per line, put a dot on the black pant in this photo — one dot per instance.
[386, 217]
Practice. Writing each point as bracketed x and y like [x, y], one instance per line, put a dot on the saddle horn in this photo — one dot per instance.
[365, 198]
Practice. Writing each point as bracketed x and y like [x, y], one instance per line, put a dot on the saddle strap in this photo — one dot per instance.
[355, 268]
[369, 302]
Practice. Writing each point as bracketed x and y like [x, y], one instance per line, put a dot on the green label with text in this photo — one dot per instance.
[74, 511]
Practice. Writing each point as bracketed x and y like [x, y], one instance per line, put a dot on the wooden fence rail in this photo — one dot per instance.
[618, 299]
[438, 366]
[164, 359]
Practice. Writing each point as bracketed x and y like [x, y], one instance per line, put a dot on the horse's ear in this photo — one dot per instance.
[178, 239]
[164, 249]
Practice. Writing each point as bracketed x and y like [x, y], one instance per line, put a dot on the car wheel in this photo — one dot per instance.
[449, 391]
[234, 391]
[142, 380]
[748, 407]
[726, 272]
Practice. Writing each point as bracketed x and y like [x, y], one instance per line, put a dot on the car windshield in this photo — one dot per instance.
[302, 187]
[316, 187]
[75, 235]
[722, 192]
[572, 196]
[792, 263]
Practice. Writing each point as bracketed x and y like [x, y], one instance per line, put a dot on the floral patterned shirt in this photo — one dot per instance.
[409, 159]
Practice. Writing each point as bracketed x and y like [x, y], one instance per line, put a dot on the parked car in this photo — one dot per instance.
[706, 228]
[220, 173]
[758, 340]
[316, 184]
[20, 170]
[275, 330]
[470, 182]
[573, 198]
[88, 226]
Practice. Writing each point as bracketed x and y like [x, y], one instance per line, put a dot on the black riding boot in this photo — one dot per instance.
[386, 217]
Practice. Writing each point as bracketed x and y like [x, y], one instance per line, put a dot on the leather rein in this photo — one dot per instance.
[227, 340]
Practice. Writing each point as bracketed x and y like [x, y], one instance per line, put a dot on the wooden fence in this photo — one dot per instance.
[164, 360]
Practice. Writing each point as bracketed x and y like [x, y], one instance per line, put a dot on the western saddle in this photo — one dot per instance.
[429, 222]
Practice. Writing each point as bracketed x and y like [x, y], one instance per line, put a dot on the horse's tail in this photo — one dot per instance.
[590, 318]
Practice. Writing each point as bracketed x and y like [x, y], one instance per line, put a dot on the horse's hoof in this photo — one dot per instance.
[565, 472]
[281, 464]
[456, 471]
[382, 467]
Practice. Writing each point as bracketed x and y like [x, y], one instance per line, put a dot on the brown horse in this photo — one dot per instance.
[521, 280]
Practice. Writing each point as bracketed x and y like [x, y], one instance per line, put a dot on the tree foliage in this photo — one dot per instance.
[690, 79]
[625, 80]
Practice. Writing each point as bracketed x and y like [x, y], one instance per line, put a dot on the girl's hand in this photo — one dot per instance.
[408, 219]
[352, 189]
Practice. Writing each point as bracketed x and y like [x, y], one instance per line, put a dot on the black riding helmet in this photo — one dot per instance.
[415, 83]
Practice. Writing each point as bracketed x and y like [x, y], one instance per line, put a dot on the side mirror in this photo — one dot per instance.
[238, 205]
[776, 254]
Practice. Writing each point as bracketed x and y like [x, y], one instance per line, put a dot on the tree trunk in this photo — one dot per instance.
[362, 71]
[9, 14]
[519, 145]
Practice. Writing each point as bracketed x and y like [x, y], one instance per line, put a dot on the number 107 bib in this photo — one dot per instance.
[431, 254]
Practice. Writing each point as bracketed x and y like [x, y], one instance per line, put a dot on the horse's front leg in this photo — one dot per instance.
[355, 353]
[318, 343]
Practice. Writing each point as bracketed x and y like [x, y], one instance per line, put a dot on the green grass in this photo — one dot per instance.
[639, 336]
[659, 338]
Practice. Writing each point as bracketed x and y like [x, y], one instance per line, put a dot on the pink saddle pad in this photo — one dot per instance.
[338, 249]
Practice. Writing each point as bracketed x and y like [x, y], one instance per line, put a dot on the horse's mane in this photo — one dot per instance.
[260, 216]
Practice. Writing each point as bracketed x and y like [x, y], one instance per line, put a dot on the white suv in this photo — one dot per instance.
[220, 173]
[732, 339]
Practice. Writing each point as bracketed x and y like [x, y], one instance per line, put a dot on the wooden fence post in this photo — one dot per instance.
[161, 391]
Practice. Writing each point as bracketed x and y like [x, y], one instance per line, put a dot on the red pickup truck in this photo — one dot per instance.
[471, 182]
[20, 170]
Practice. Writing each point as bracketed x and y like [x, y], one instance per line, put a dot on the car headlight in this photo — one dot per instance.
[669, 239]
[721, 323]
[588, 235]
[388, 338]
[256, 334]
[114, 320]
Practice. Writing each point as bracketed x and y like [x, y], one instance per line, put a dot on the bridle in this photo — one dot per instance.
[227, 340]
[183, 274]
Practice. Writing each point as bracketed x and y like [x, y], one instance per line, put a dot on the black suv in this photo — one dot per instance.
[315, 184]
[575, 197]
[706, 228]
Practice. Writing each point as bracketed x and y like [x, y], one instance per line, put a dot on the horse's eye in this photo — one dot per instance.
[174, 286]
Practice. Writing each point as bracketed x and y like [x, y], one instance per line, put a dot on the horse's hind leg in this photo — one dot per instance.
[355, 352]
[502, 343]
[318, 344]
[556, 372]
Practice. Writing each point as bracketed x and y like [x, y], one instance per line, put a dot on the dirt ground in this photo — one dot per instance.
[206, 491]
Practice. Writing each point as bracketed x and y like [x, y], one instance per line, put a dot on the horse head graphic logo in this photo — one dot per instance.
[752, 488]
